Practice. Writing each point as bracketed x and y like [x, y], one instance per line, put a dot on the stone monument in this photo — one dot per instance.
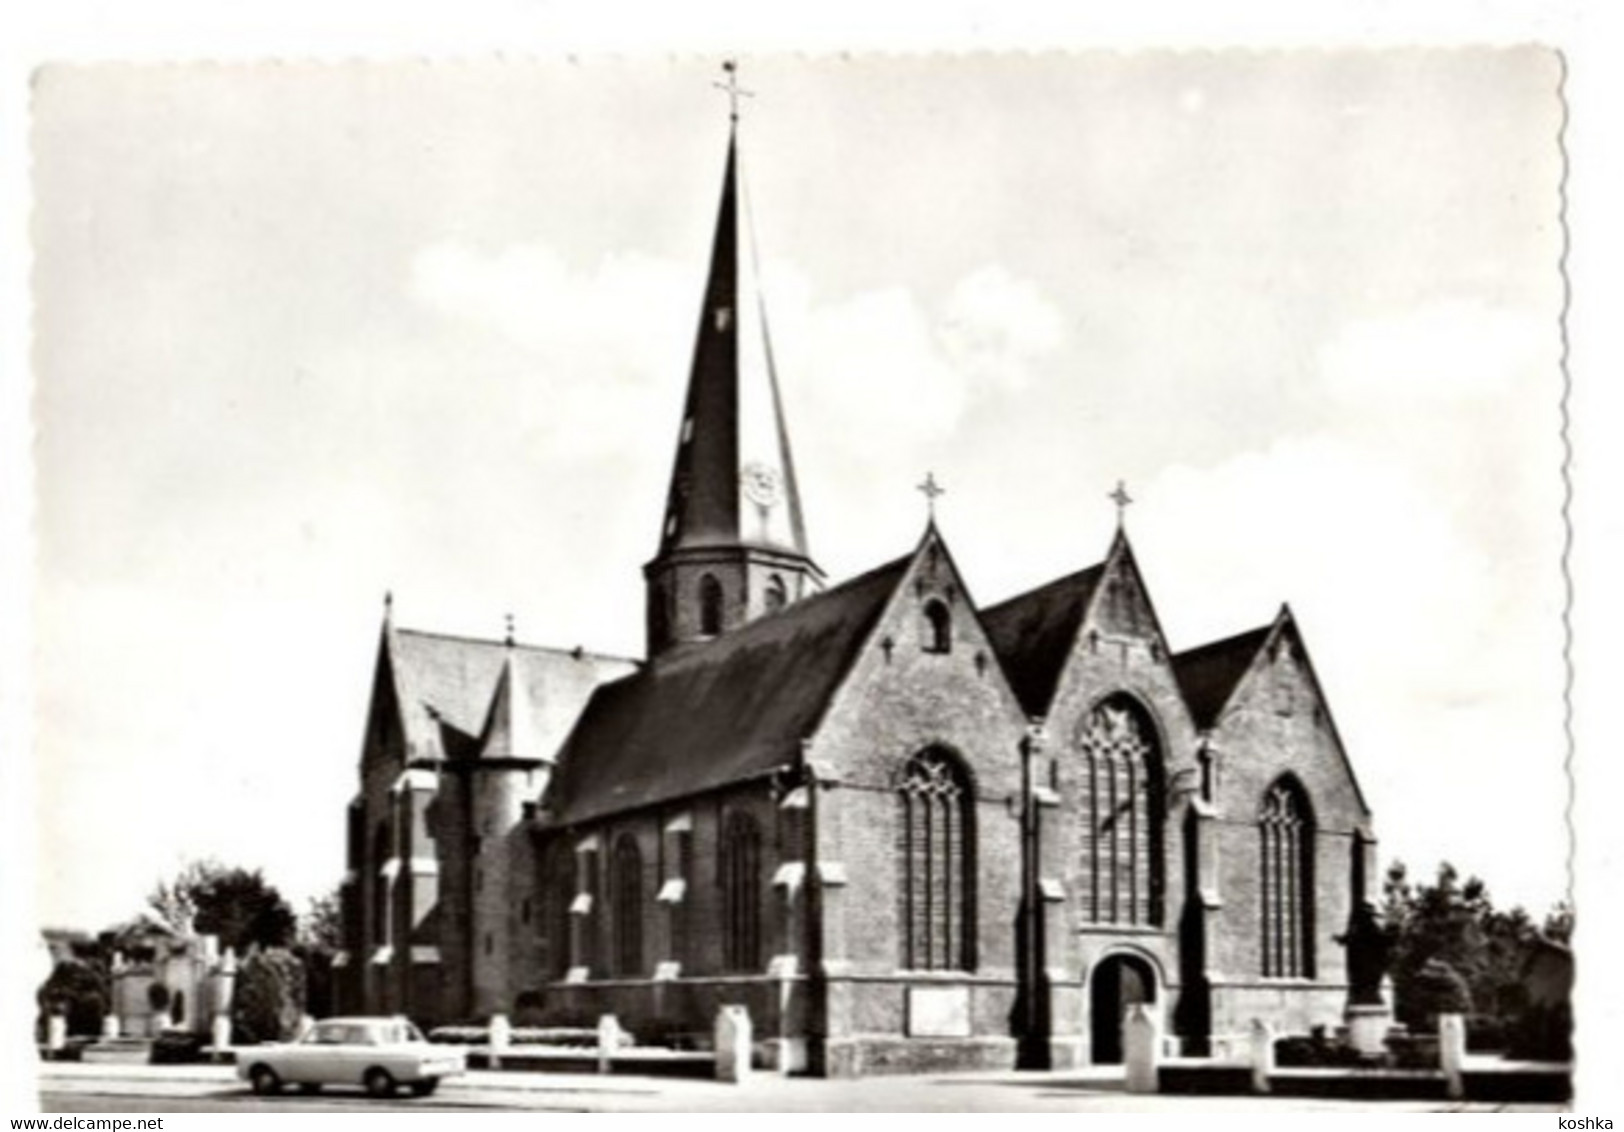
[1369, 1014]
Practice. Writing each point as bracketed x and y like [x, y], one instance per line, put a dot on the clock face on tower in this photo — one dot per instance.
[762, 484]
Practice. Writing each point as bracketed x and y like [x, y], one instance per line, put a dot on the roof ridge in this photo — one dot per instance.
[1052, 584]
[579, 652]
[1224, 642]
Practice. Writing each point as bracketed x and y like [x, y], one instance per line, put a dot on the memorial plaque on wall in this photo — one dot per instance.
[939, 1012]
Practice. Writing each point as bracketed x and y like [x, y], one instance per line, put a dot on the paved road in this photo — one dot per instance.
[213, 1089]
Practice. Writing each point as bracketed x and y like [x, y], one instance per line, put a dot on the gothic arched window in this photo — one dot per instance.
[936, 864]
[777, 594]
[627, 889]
[1286, 866]
[741, 893]
[938, 627]
[1123, 808]
[710, 605]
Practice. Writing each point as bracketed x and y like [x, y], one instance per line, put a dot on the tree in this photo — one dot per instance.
[321, 935]
[269, 998]
[321, 927]
[1454, 951]
[236, 904]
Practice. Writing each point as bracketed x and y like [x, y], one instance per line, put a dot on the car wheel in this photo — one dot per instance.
[379, 1083]
[265, 1081]
[425, 1088]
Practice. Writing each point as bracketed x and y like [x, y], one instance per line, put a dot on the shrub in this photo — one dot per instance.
[270, 997]
[177, 1047]
[1438, 989]
[79, 991]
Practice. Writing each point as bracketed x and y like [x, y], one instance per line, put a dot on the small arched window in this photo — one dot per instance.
[936, 864]
[938, 627]
[1286, 868]
[628, 904]
[777, 594]
[741, 893]
[710, 606]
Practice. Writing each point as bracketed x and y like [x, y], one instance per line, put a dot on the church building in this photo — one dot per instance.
[908, 832]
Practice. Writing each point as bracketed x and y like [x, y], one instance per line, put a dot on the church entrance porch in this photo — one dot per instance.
[1118, 982]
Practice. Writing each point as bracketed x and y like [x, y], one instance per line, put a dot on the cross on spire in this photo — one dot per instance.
[507, 619]
[730, 67]
[930, 489]
[1121, 498]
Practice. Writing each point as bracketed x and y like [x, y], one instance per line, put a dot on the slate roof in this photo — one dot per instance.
[447, 688]
[721, 711]
[1033, 632]
[1208, 674]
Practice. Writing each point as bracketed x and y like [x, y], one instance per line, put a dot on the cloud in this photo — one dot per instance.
[1445, 351]
[995, 326]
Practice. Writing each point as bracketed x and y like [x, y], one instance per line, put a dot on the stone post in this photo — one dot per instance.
[222, 985]
[733, 1040]
[1452, 1053]
[1142, 1044]
[109, 1026]
[608, 1041]
[1262, 1042]
[56, 1034]
[501, 1036]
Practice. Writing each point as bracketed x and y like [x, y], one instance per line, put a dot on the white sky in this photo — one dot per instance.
[306, 333]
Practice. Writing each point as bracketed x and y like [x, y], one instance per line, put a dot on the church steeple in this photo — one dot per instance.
[732, 540]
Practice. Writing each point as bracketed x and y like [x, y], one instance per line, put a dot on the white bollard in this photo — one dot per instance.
[109, 1027]
[1141, 1045]
[1452, 1053]
[608, 1041]
[1262, 1039]
[56, 1032]
[500, 1037]
[220, 1033]
[733, 1039]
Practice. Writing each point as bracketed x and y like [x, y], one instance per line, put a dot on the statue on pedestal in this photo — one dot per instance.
[1369, 945]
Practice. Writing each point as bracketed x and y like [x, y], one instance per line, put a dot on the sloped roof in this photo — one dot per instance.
[451, 682]
[1033, 632]
[1209, 673]
[720, 711]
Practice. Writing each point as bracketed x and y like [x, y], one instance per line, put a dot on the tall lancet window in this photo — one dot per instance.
[936, 864]
[741, 893]
[938, 627]
[1123, 808]
[627, 886]
[710, 606]
[1286, 864]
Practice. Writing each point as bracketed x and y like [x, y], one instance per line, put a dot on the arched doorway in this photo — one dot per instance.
[1119, 981]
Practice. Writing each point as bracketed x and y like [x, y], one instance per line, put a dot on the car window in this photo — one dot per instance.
[326, 1035]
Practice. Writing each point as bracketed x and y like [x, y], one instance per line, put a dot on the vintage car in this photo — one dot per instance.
[378, 1054]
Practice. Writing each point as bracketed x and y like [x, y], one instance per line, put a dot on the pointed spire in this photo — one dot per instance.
[506, 724]
[733, 483]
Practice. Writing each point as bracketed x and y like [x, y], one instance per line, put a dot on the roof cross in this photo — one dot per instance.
[507, 619]
[1121, 498]
[931, 490]
[734, 90]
